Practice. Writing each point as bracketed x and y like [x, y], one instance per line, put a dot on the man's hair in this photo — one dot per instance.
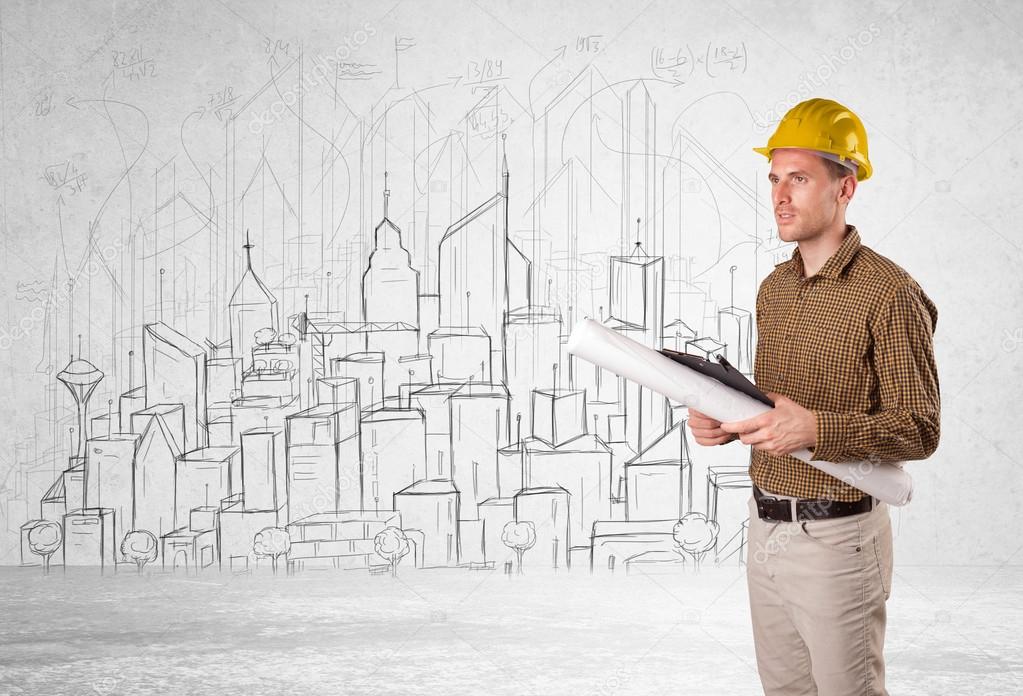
[836, 170]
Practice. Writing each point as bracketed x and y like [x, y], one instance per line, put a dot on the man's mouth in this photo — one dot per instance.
[786, 216]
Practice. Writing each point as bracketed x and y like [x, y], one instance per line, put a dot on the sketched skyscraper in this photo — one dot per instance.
[390, 307]
[473, 272]
[81, 377]
[252, 307]
[390, 285]
[637, 311]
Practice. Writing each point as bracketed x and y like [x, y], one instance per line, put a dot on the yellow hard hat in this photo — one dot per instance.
[825, 126]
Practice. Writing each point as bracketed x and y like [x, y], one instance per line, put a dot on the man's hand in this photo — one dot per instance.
[782, 430]
[706, 430]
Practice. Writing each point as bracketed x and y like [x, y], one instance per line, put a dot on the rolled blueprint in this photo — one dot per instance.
[632, 360]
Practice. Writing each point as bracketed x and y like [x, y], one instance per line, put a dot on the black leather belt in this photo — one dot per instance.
[780, 509]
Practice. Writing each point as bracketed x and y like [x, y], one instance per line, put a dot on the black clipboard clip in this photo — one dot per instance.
[724, 372]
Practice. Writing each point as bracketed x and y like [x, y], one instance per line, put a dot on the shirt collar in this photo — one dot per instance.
[834, 266]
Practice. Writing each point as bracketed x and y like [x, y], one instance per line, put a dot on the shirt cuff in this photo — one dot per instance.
[832, 434]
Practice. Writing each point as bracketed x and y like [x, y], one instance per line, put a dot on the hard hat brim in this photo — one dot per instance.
[864, 169]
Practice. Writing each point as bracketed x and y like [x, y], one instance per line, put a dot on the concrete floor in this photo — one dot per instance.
[952, 630]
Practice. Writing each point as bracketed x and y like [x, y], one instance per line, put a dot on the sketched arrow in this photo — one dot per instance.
[127, 169]
[60, 229]
[94, 224]
[559, 54]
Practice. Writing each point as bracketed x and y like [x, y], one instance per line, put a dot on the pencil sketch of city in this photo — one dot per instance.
[287, 304]
[360, 362]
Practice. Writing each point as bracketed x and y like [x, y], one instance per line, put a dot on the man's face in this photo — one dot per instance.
[807, 201]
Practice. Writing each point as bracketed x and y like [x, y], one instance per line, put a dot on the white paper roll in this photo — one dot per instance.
[632, 360]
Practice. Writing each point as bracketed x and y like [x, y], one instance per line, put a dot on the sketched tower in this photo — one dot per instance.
[390, 285]
[81, 377]
[472, 271]
[252, 307]
[637, 311]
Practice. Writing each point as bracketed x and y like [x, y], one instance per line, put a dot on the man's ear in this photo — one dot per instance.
[847, 188]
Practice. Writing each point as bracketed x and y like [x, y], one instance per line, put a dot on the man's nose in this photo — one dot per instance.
[780, 193]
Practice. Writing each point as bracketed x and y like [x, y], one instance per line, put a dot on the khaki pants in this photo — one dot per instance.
[817, 593]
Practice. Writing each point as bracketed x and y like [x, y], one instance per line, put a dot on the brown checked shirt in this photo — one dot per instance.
[853, 343]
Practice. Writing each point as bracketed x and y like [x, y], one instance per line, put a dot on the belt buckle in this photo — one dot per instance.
[764, 512]
[761, 507]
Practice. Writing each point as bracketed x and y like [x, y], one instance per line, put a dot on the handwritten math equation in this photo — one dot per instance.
[133, 65]
[65, 177]
[679, 64]
[219, 103]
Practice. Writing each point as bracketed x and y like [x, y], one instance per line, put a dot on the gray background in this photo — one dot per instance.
[937, 86]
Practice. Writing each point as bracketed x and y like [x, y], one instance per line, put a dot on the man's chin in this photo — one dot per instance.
[788, 233]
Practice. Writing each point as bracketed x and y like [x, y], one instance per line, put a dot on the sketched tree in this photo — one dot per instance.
[695, 535]
[139, 546]
[287, 340]
[265, 336]
[519, 536]
[392, 544]
[44, 539]
[272, 542]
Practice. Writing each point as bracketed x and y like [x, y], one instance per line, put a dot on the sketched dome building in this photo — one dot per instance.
[252, 307]
[81, 377]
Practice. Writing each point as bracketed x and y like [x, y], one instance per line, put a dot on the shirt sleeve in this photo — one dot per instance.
[907, 424]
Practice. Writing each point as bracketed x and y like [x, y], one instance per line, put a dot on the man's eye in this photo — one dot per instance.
[800, 178]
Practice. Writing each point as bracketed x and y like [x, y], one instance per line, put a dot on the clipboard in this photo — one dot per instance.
[723, 372]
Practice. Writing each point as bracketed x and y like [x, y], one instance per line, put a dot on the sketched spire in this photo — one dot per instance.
[638, 251]
[248, 251]
[387, 195]
[250, 288]
[504, 165]
[252, 306]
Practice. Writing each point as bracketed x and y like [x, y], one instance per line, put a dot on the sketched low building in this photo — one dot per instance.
[582, 467]
[394, 451]
[324, 460]
[158, 449]
[343, 540]
[194, 546]
[616, 544]
[204, 477]
[89, 538]
[109, 480]
[431, 506]
[548, 509]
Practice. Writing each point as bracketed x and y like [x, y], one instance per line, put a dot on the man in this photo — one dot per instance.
[845, 350]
